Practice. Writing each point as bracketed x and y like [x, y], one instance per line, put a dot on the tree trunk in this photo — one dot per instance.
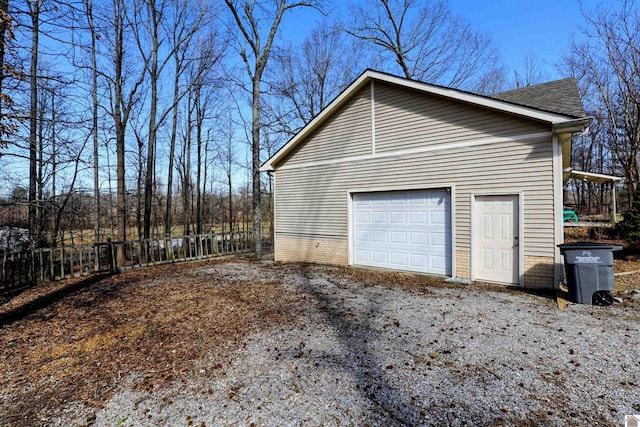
[172, 149]
[94, 98]
[120, 128]
[33, 121]
[186, 186]
[153, 107]
[255, 169]
[230, 201]
[199, 122]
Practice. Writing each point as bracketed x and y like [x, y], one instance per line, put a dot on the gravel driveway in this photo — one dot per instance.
[362, 347]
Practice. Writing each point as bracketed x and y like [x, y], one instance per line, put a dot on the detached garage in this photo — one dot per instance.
[403, 175]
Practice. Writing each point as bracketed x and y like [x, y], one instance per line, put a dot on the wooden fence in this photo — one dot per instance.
[21, 270]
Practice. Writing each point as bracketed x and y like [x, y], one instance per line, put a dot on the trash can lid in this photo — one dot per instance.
[590, 245]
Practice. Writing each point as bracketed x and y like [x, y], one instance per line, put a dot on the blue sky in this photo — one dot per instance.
[542, 28]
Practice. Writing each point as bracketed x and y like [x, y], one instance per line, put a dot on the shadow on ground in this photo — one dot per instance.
[32, 306]
[369, 374]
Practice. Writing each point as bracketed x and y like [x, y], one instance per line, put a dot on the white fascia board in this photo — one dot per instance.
[455, 94]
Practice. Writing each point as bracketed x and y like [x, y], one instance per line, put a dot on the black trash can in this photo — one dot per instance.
[589, 270]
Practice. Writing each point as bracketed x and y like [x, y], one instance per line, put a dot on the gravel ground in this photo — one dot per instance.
[368, 350]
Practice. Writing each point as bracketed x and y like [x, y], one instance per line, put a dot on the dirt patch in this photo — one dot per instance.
[152, 322]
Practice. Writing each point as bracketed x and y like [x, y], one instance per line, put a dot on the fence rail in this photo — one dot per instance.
[21, 270]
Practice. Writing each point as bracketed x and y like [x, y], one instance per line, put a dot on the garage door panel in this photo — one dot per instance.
[378, 217]
[397, 199]
[419, 261]
[438, 262]
[419, 238]
[396, 217]
[417, 199]
[378, 200]
[380, 257]
[418, 217]
[363, 217]
[439, 239]
[412, 231]
[399, 258]
[438, 218]
[399, 237]
[362, 236]
[379, 236]
[362, 256]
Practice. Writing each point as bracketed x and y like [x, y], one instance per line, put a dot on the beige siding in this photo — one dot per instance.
[312, 200]
[347, 133]
[406, 119]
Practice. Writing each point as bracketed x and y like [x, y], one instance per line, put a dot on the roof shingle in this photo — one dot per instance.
[558, 96]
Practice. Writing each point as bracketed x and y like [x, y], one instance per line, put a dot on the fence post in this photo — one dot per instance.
[111, 259]
[4, 269]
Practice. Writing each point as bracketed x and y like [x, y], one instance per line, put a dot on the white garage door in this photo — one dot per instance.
[403, 230]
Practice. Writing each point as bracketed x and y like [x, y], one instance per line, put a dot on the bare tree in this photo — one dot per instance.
[305, 78]
[181, 59]
[153, 22]
[88, 5]
[248, 16]
[124, 97]
[227, 157]
[607, 64]
[532, 72]
[425, 40]
[34, 12]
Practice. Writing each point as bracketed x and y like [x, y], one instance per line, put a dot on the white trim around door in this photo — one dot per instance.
[497, 244]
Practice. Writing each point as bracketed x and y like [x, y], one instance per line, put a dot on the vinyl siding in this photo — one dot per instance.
[408, 119]
[347, 133]
[311, 199]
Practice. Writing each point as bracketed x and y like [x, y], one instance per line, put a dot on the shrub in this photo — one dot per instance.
[629, 227]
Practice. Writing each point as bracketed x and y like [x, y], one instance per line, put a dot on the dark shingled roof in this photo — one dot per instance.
[559, 96]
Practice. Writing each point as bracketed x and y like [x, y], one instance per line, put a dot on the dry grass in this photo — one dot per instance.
[152, 322]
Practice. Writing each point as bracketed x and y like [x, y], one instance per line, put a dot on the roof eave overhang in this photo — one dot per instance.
[571, 125]
[556, 120]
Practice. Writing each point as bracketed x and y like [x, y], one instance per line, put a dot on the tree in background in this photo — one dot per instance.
[306, 78]
[425, 40]
[248, 16]
[124, 96]
[606, 62]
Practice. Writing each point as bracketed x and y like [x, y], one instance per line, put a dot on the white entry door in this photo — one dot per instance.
[403, 230]
[496, 239]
